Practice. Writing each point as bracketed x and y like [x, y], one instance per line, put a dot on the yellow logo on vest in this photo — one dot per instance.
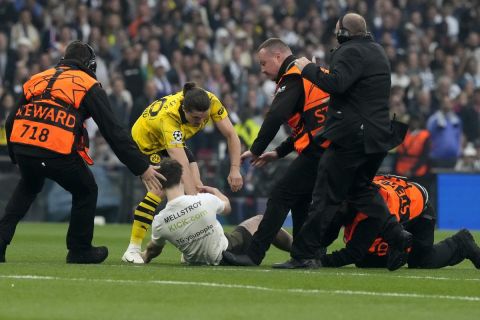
[155, 158]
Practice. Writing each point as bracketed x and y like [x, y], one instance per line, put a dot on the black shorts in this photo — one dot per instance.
[238, 240]
[156, 157]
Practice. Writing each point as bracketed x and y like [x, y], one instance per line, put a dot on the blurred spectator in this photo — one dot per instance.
[120, 101]
[131, 71]
[425, 73]
[83, 25]
[143, 15]
[445, 128]
[247, 128]
[399, 76]
[471, 73]
[469, 162]
[102, 153]
[152, 55]
[445, 88]
[51, 34]
[7, 103]
[8, 61]
[223, 47]
[21, 76]
[168, 40]
[24, 29]
[8, 15]
[470, 115]
[142, 101]
[163, 85]
[234, 71]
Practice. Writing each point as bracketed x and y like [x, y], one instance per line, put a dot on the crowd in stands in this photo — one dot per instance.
[147, 49]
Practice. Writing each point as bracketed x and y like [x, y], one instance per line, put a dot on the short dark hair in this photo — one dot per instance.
[172, 170]
[274, 43]
[195, 98]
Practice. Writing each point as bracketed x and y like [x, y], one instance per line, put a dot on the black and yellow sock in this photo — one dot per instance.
[143, 218]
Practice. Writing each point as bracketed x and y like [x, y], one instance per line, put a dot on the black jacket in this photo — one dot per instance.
[288, 100]
[96, 105]
[359, 84]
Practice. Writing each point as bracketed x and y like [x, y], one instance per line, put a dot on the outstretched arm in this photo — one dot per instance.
[234, 177]
[346, 70]
[187, 176]
[227, 207]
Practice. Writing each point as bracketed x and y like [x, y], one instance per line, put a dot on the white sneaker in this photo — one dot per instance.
[132, 255]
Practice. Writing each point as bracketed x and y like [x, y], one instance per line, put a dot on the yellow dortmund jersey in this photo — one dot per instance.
[162, 124]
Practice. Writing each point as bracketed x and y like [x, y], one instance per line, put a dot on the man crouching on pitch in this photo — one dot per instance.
[189, 223]
[408, 204]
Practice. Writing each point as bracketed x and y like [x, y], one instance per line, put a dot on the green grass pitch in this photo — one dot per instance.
[35, 283]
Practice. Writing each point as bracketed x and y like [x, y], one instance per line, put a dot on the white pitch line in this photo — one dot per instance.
[321, 272]
[252, 287]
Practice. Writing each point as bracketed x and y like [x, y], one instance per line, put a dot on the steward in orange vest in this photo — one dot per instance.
[408, 204]
[309, 121]
[51, 118]
[47, 139]
[413, 153]
[303, 107]
[405, 200]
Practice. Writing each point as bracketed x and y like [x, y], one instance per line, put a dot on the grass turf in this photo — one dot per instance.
[35, 283]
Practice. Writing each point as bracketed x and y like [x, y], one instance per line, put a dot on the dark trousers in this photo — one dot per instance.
[343, 174]
[73, 175]
[424, 254]
[356, 249]
[292, 192]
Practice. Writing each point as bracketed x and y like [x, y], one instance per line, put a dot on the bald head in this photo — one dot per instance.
[355, 24]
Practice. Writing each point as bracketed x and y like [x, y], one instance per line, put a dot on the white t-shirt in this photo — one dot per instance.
[190, 224]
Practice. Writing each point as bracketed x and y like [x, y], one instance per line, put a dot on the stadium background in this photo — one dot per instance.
[148, 49]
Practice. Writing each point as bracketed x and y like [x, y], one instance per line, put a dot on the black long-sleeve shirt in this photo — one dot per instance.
[288, 100]
[96, 105]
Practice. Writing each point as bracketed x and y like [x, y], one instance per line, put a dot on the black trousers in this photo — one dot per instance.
[356, 250]
[343, 174]
[424, 254]
[292, 192]
[73, 175]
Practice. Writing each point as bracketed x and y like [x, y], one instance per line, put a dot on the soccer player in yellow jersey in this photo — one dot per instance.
[161, 131]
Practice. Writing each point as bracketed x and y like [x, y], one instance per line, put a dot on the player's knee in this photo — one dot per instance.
[252, 223]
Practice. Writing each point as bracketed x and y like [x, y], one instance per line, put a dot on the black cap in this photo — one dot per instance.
[80, 51]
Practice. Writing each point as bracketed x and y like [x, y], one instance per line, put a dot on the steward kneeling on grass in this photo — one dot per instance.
[189, 223]
[408, 204]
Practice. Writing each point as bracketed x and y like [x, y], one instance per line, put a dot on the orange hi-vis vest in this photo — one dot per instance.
[306, 124]
[51, 118]
[409, 152]
[405, 200]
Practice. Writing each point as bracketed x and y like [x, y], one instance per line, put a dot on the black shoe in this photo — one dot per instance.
[472, 251]
[299, 264]
[92, 255]
[397, 254]
[3, 249]
[233, 259]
